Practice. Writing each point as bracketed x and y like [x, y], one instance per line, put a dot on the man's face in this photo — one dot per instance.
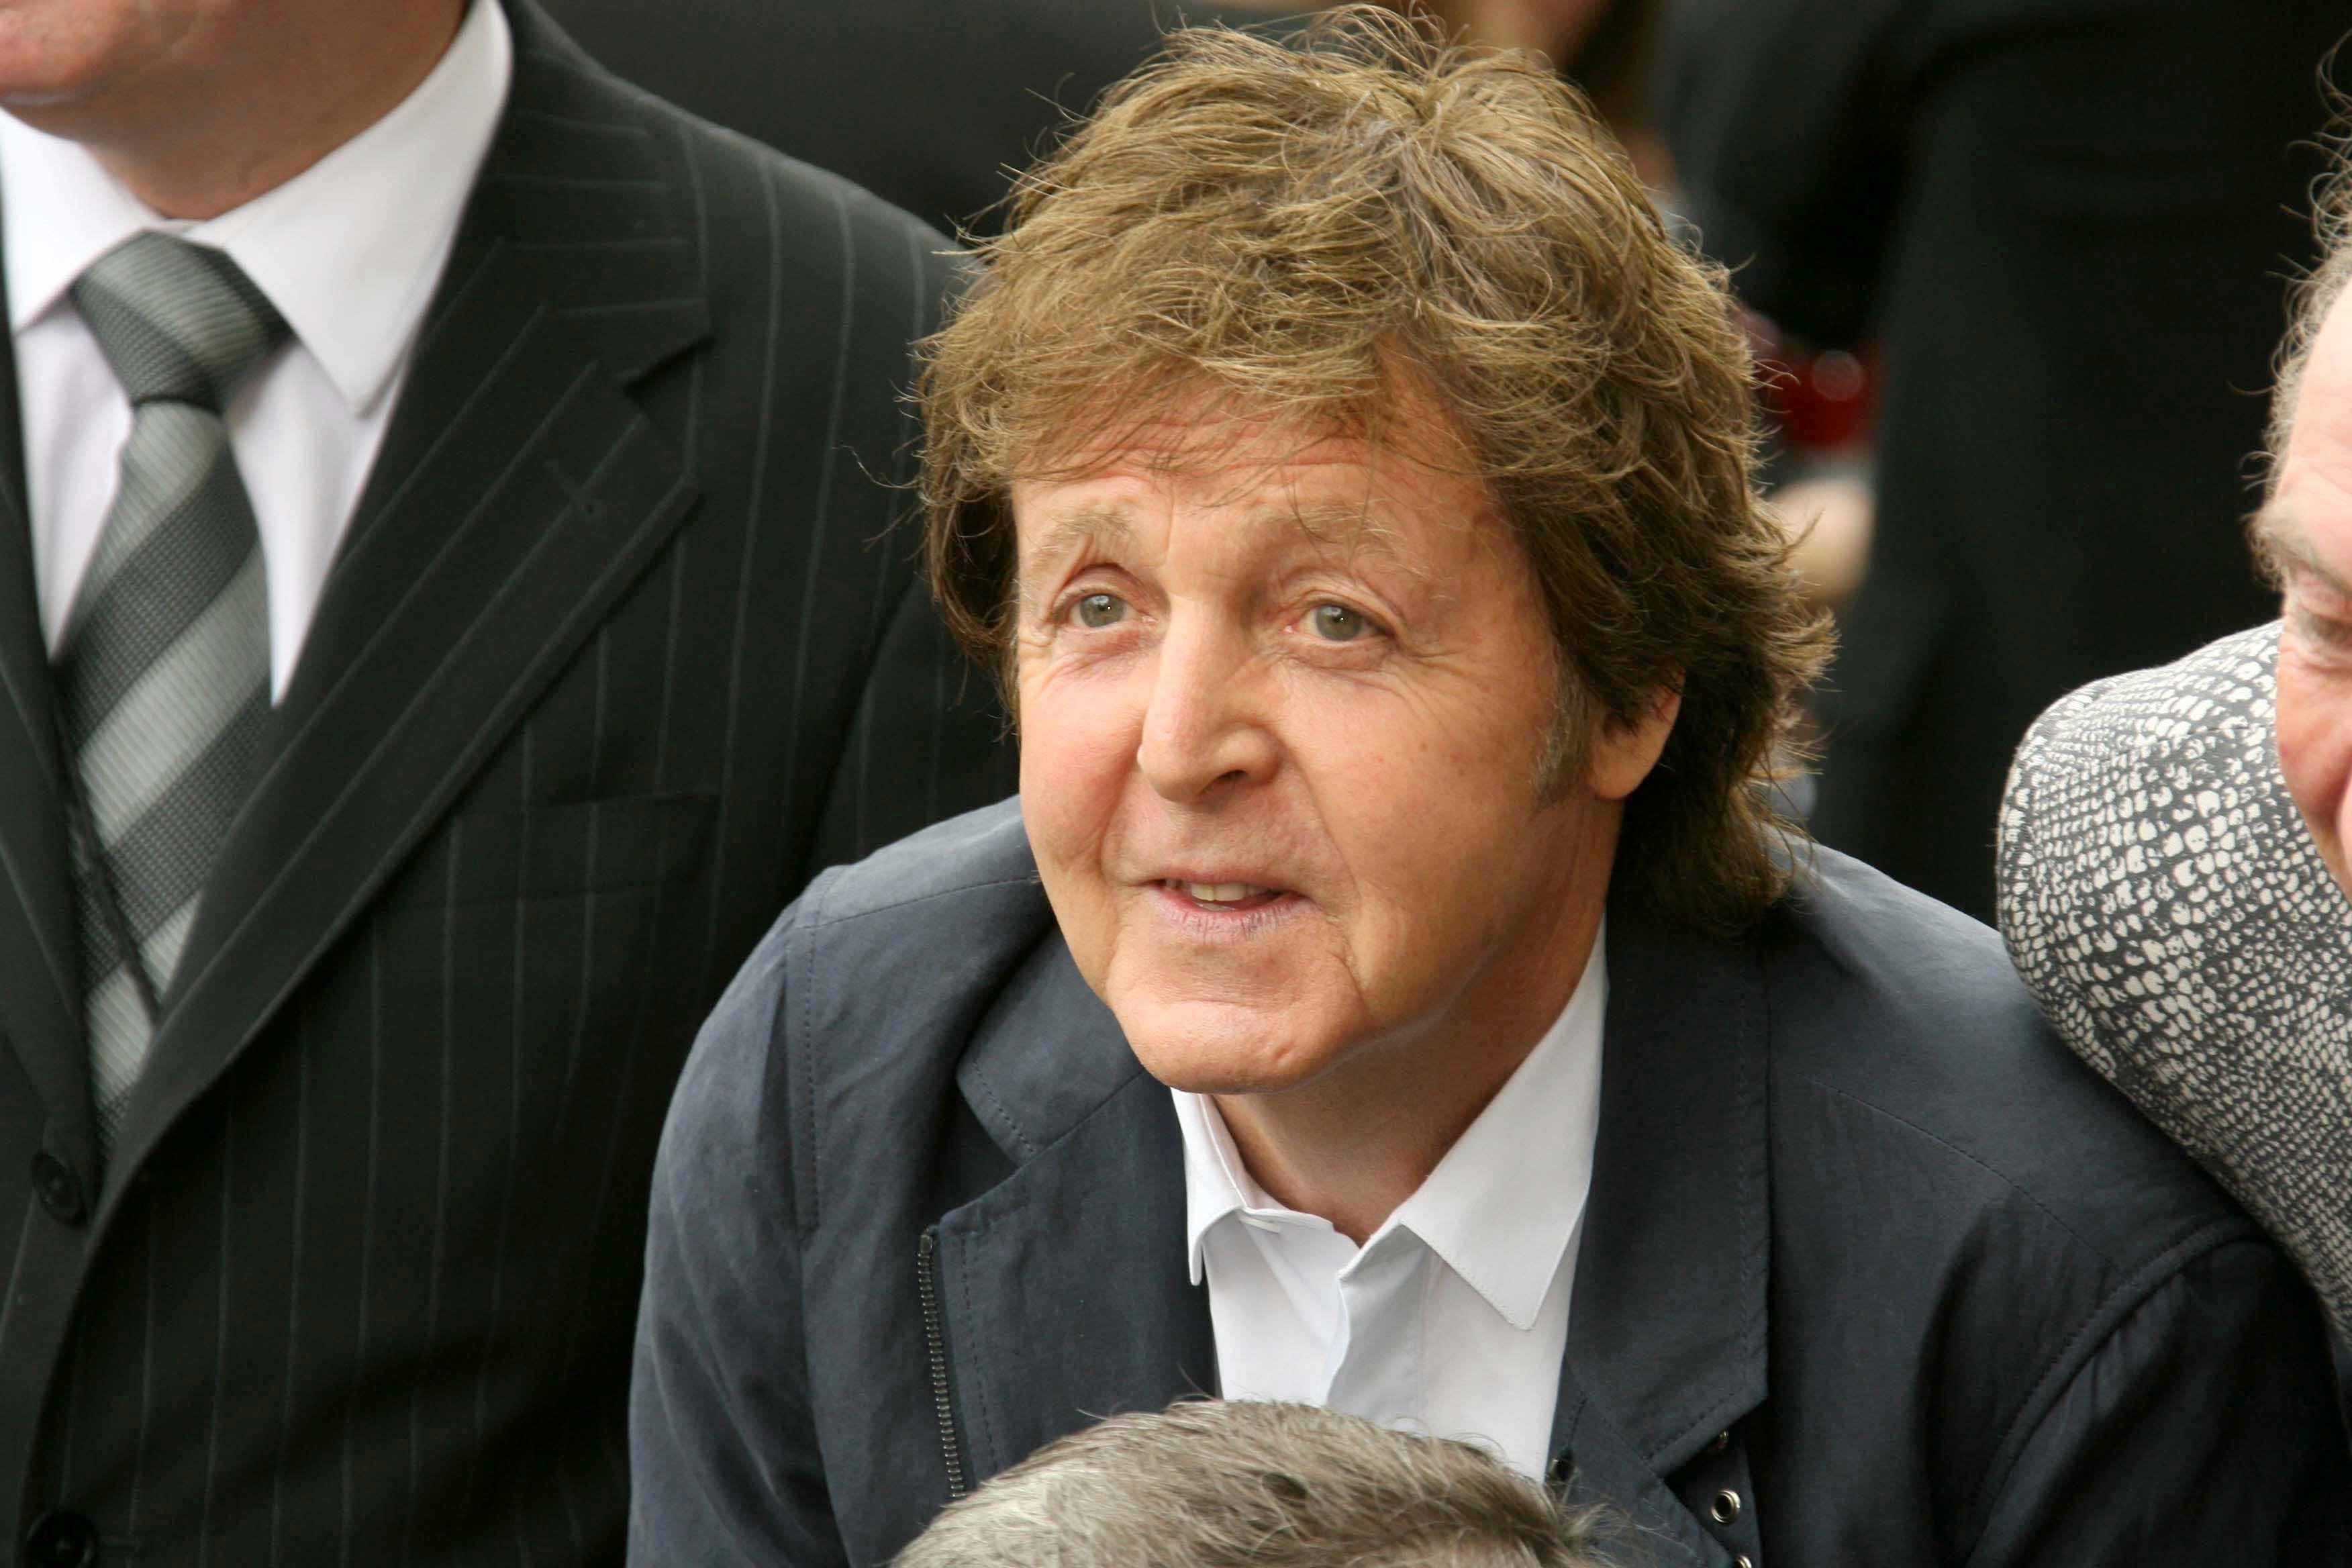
[2309, 523]
[65, 63]
[1284, 712]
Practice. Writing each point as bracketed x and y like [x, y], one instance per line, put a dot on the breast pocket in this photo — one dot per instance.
[557, 851]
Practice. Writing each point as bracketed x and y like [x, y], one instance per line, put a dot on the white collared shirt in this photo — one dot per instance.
[348, 252]
[1452, 1318]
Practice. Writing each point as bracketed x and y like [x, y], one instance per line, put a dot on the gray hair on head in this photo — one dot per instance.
[2316, 292]
[1251, 1484]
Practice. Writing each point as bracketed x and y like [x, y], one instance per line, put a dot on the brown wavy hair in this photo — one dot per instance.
[1344, 228]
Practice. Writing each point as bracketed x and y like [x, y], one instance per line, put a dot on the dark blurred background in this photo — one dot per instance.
[927, 103]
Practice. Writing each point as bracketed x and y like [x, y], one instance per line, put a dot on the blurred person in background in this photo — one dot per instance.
[932, 105]
[1603, 46]
[2174, 852]
[1392, 990]
[2065, 222]
[1255, 1484]
[1816, 403]
[439, 620]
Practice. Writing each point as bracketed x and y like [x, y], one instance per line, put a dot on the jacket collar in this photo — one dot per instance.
[1065, 1286]
[1666, 1334]
[1081, 1252]
[519, 490]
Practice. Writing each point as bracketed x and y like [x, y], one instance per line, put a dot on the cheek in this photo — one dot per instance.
[1428, 799]
[2314, 740]
[1079, 734]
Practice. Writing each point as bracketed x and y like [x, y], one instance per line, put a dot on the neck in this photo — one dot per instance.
[1354, 1144]
[209, 141]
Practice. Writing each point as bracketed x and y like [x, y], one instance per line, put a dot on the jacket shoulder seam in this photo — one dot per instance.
[2098, 1326]
[1974, 1159]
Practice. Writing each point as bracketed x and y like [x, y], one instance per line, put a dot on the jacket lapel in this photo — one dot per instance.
[1065, 1287]
[1666, 1331]
[517, 493]
[40, 991]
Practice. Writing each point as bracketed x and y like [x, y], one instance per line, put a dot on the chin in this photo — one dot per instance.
[1226, 1049]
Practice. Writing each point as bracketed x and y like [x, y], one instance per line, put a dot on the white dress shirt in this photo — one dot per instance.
[348, 251]
[1453, 1317]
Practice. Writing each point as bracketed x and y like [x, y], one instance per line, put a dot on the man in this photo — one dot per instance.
[2065, 222]
[1391, 991]
[439, 618]
[1211, 1484]
[2173, 846]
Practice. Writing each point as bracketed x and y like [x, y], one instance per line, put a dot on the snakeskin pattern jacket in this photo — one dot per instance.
[2168, 909]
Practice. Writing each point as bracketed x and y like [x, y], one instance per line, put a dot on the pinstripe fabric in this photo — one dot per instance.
[611, 662]
[165, 667]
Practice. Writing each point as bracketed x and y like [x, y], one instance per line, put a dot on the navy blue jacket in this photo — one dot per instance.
[1873, 1271]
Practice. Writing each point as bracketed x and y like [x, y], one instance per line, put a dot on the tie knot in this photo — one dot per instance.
[179, 322]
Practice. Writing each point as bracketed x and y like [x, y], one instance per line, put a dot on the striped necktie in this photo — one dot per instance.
[164, 664]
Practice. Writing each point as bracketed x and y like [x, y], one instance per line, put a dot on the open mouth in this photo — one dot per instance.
[1224, 896]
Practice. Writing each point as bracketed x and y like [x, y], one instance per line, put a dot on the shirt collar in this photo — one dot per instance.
[1504, 1202]
[348, 250]
[1216, 1182]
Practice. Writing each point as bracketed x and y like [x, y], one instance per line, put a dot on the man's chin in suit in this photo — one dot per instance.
[198, 106]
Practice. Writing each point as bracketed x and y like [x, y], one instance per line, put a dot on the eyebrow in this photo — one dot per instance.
[1332, 525]
[1087, 526]
[2283, 537]
[1328, 523]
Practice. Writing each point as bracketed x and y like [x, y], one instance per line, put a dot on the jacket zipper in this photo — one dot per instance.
[935, 1337]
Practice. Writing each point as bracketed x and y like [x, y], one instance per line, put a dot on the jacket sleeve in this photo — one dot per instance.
[2200, 1428]
[724, 1462]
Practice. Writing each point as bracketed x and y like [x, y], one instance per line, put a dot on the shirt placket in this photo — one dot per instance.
[1376, 1355]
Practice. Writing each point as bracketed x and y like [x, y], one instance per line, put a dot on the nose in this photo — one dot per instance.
[1206, 728]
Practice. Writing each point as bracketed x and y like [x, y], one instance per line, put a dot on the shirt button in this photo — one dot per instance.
[60, 1190]
[61, 1539]
[1726, 1506]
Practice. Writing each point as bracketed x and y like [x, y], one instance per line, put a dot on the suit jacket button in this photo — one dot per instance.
[61, 1539]
[60, 1191]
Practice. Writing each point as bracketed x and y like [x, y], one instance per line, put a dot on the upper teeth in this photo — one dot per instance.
[1222, 892]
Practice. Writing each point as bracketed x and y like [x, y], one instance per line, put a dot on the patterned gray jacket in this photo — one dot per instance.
[2168, 910]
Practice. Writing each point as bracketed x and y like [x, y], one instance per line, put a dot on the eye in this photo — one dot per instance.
[1337, 623]
[1099, 610]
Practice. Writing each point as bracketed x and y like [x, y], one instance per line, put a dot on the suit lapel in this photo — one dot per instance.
[1667, 1331]
[517, 493]
[1066, 1288]
[40, 991]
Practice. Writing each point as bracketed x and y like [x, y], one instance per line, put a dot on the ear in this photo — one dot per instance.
[1623, 752]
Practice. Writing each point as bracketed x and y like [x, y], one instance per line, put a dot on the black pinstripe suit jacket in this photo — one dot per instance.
[610, 662]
